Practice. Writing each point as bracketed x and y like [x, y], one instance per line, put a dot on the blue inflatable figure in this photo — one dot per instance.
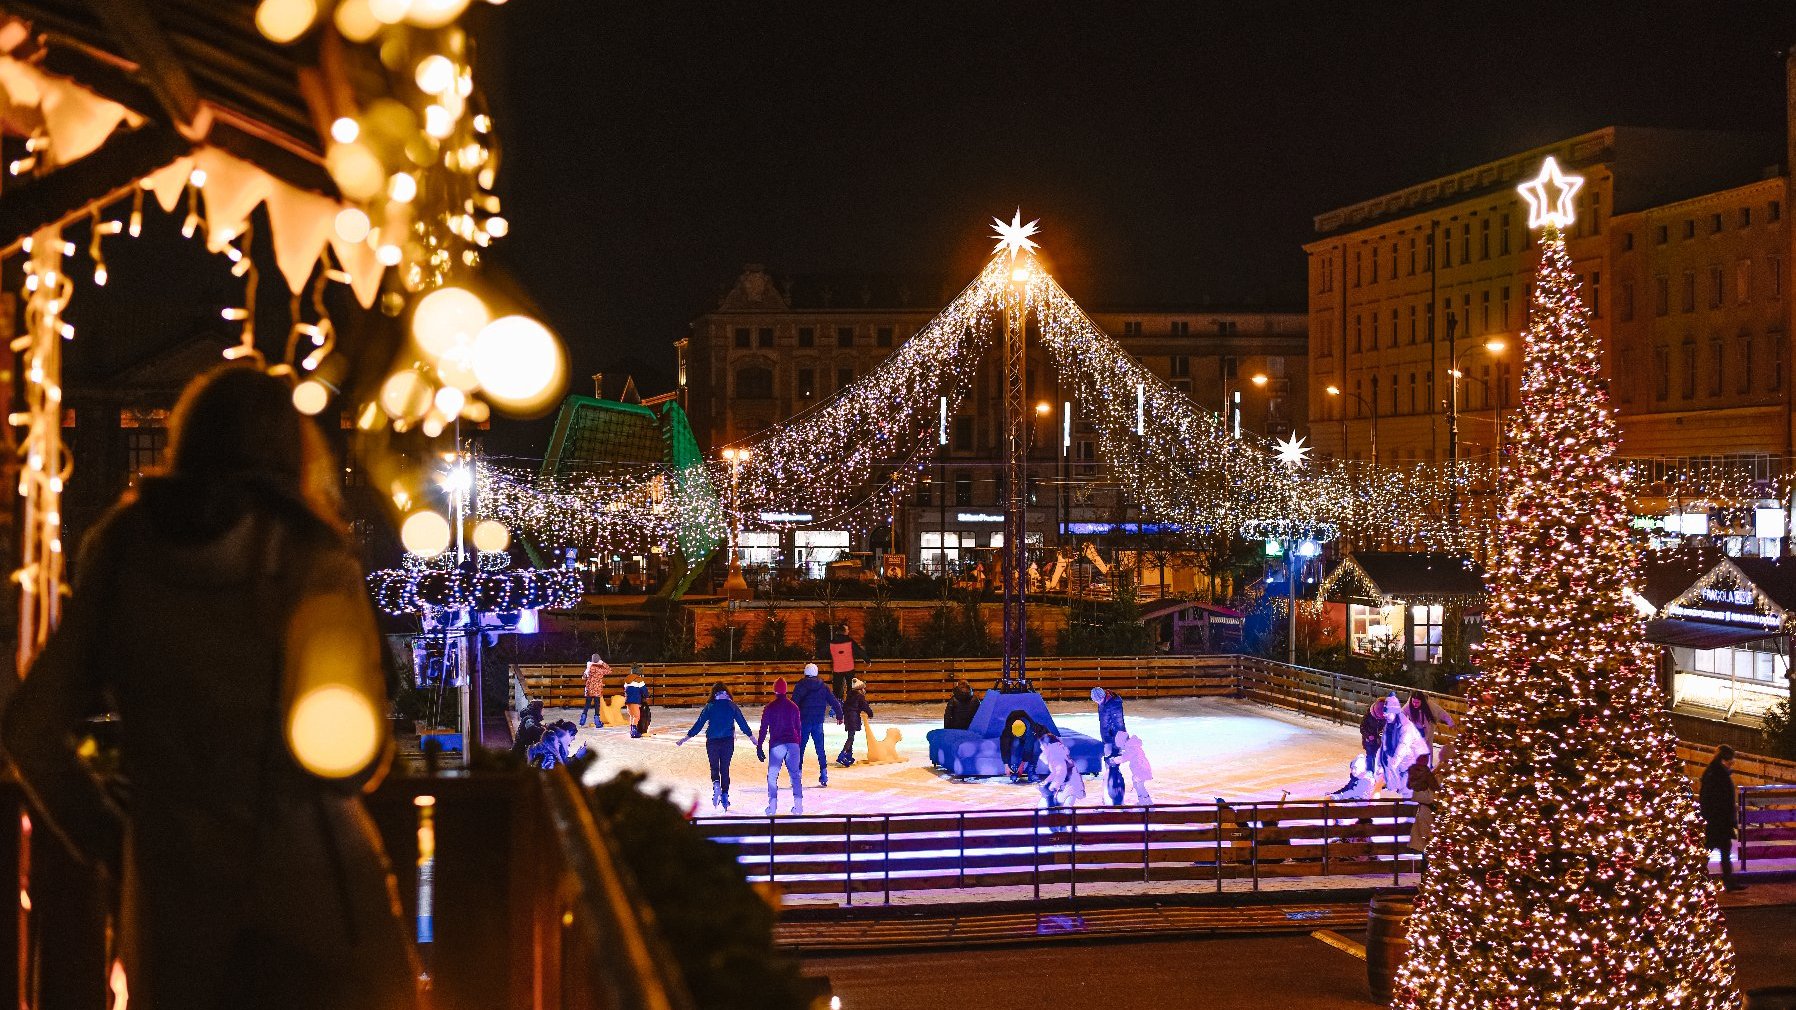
[977, 751]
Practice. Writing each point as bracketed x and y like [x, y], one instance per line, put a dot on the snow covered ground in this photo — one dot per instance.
[1200, 748]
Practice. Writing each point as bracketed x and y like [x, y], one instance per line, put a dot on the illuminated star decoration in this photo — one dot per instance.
[1014, 237]
[1292, 452]
[1550, 209]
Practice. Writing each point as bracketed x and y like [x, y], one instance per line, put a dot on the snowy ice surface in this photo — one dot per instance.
[1200, 748]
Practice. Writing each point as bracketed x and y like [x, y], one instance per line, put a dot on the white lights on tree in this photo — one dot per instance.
[1549, 196]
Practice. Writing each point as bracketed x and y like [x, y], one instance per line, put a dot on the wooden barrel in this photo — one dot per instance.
[1387, 938]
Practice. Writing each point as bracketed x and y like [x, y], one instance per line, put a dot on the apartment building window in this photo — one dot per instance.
[1465, 243]
[1393, 260]
[807, 383]
[963, 490]
[1774, 211]
[963, 434]
[1182, 385]
[1484, 387]
[1745, 383]
[1484, 239]
[742, 336]
[1412, 257]
[1777, 276]
[1688, 302]
[882, 337]
[1624, 374]
[1357, 346]
[1596, 212]
[1745, 217]
[754, 383]
[807, 336]
[1374, 315]
[1503, 235]
[1660, 234]
[1484, 311]
[1393, 392]
[1742, 281]
[1181, 366]
[1626, 305]
[1412, 392]
[1428, 391]
[1689, 227]
[1687, 358]
[1374, 259]
[1717, 364]
[1394, 329]
[1627, 241]
[1229, 367]
[1446, 247]
[1412, 324]
[1504, 305]
[1502, 384]
[764, 337]
[1358, 272]
[1324, 340]
[1182, 327]
[1661, 295]
[1716, 287]
[1132, 327]
[1428, 258]
[844, 336]
[844, 378]
[1715, 223]
[1661, 373]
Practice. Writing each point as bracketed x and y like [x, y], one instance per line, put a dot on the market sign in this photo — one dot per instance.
[979, 517]
[1726, 596]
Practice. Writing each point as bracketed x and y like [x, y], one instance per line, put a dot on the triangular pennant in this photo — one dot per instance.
[362, 266]
[302, 223]
[169, 182]
[233, 188]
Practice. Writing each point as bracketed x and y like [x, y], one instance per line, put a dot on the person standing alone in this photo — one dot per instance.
[1720, 812]
[815, 700]
[719, 720]
[853, 708]
[636, 695]
[1110, 723]
[780, 729]
[844, 652]
[596, 672]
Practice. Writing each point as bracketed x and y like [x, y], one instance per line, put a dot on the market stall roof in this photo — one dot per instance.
[1665, 576]
[1701, 634]
[1421, 576]
[1174, 606]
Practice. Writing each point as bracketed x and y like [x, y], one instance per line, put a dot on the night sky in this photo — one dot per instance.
[1173, 155]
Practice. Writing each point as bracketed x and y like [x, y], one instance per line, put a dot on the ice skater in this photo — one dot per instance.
[815, 700]
[1019, 746]
[780, 729]
[1129, 751]
[1371, 735]
[853, 708]
[1401, 747]
[636, 695]
[719, 720]
[1064, 786]
[843, 652]
[1360, 784]
[1424, 713]
[596, 672]
[1110, 723]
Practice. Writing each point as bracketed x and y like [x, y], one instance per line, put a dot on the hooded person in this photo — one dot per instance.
[1110, 723]
[1371, 735]
[853, 708]
[815, 701]
[1019, 745]
[636, 699]
[1130, 752]
[961, 707]
[1401, 748]
[593, 687]
[780, 737]
[1063, 786]
[719, 719]
[1360, 785]
[843, 652]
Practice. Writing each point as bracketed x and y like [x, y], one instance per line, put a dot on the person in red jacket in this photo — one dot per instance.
[780, 729]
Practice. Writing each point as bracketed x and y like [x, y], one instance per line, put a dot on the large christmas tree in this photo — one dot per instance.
[1567, 868]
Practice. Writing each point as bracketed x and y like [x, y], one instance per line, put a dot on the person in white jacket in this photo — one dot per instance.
[1063, 787]
[1131, 754]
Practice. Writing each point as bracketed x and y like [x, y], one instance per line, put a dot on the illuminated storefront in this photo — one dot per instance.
[1407, 604]
[1726, 637]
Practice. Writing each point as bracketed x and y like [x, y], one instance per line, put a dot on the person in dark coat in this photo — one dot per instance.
[636, 700]
[530, 729]
[815, 700]
[719, 720]
[556, 748]
[219, 612]
[1019, 745]
[781, 727]
[843, 652]
[961, 707]
[852, 710]
[1371, 736]
[1719, 801]
[1110, 723]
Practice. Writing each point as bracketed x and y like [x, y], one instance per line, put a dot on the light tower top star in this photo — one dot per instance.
[1549, 196]
[1292, 452]
[1014, 237]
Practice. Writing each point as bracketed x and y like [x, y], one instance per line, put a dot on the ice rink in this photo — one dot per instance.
[1200, 749]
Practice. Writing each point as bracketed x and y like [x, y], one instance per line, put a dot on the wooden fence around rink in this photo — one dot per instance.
[1767, 822]
[1056, 852]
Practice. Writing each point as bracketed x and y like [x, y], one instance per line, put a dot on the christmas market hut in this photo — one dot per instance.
[1726, 636]
[1414, 609]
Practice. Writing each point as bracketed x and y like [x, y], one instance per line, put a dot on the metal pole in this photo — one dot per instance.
[1453, 419]
[1291, 583]
[1015, 511]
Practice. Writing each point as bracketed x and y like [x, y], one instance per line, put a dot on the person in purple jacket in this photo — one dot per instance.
[779, 728]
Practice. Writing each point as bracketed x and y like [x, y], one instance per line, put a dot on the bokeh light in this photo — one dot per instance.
[425, 534]
[519, 363]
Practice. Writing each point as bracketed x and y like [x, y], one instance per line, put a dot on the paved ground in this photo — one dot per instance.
[1200, 748]
[1229, 973]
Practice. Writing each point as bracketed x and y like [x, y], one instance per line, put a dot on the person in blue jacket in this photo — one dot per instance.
[1110, 723]
[815, 700]
[719, 719]
[636, 695]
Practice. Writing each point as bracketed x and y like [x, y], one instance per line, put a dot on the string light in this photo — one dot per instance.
[47, 463]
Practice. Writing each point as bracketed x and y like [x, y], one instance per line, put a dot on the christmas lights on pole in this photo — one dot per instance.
[1567, 867]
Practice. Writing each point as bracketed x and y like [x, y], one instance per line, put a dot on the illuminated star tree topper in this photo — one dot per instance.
[1292, 452]
[1549, 196]
[1014, 237]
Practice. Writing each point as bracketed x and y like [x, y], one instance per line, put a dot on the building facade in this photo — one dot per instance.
[1418, 298]
[771, 350]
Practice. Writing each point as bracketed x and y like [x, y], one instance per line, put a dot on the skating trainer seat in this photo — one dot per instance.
[975, 751]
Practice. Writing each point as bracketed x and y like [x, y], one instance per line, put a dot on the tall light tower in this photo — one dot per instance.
[1013, 239]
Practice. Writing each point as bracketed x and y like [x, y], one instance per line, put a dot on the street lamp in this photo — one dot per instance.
[1231, 403]
[735, 587]
[1336, 391]
[1494, 346]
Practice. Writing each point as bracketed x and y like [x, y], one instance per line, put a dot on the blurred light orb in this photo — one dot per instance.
[519, 363]
[353, 224]
[389, 12]
[450, 401]
[497, 226]
[402, 187]
[311, 397]
[389, 254]
[355, 21]
[437, 121]
[435, 13]
[435, 74]
[405, 396]
[356, 169]
[425, 534]
[448, 319]
[333, 731]
[345, 130]
[456, 369]
[491, 535]
[285, 20]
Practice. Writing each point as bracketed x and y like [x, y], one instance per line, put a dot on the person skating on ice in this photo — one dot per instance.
[780, 732]
[636, 694]
[719, 720]
[1131, 753]
[853, 708]
[1110, 723]
[815, 701]
[843, 652]
[594, 687]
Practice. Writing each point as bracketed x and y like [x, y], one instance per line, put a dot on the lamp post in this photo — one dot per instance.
[1493, 346]
[735, 587]
[1373, 404]
[1231, 402]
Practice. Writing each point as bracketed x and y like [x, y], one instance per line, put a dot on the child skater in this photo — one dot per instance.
[1130, 752]
[853, 708]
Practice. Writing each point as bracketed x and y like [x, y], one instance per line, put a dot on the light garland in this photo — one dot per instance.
[412, 591]
[48, 289]
[1567, 867]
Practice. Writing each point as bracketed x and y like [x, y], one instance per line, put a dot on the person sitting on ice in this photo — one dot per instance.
[1360, 784]
[1130, 752]
[1401, 747]
[1110, 723]
[1063, 787]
